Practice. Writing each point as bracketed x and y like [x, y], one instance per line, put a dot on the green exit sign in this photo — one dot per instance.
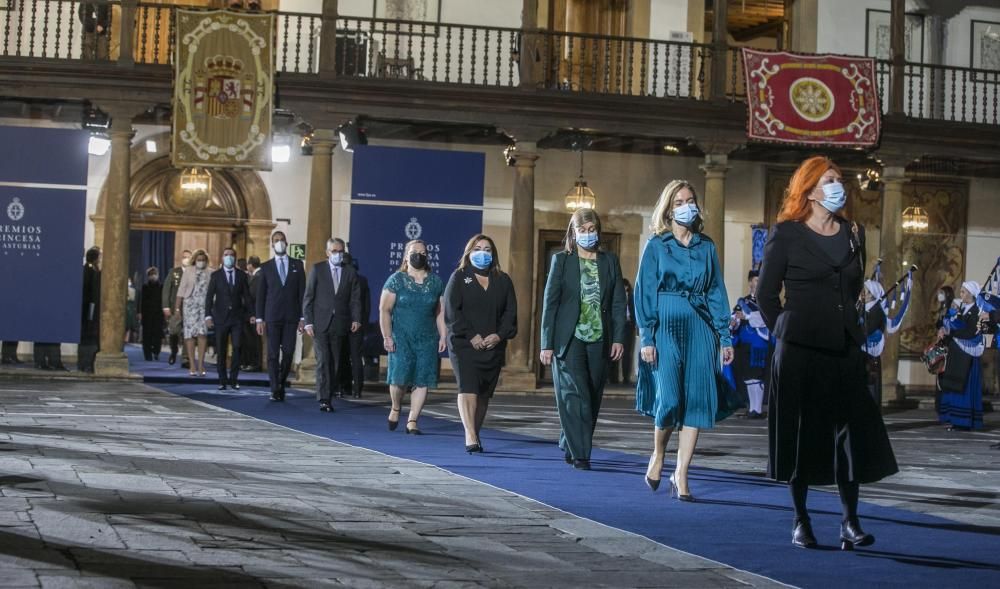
[297, 251]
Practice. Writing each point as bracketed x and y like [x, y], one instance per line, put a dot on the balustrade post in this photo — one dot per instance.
[126, 30]
[328, 40]
[528, 66]
[720, 49]
[897, 42]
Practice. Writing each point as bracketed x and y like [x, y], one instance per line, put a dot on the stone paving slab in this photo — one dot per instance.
[120, 485]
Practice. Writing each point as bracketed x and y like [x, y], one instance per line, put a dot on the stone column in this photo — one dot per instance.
[111, 360]
[328, 40]
[320, 219]
[519, 372]
[714, 200]
[894, 178]
[319, 228]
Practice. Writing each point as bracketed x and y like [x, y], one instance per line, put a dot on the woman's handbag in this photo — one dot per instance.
[935, 357]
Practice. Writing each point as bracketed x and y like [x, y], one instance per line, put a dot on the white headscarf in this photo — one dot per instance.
[973, 287]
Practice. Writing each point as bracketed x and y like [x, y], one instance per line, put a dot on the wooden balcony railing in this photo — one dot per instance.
[473, 55]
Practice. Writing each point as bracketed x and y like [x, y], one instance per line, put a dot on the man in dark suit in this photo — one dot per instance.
[332, 308]
[250, 354]
[96, 20]
[281, 285]
[9, 353]
[90, 312]
[227, 308]
[175, 324]
[353, 374]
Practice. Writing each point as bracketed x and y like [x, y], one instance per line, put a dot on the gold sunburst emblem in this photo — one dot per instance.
[812, 99]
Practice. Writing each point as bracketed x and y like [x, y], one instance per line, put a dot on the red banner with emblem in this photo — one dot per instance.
[816, 100]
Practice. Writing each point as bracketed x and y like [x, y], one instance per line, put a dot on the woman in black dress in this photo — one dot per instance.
[481, 314]
[151, 315]
[823, 426]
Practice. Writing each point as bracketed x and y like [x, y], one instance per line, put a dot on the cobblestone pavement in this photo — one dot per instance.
[121, 485]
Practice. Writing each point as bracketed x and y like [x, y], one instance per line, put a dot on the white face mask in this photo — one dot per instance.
[200, 264]
[940, 297]
[279, 247]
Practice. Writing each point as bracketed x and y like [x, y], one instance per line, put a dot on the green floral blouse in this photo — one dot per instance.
[588, 327]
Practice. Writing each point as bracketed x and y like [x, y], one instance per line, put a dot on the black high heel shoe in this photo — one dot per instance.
[802, 534]
[675, 492]
[852, 535]
[653, 484]
[393, 424]
[415, 431]
[472, 448]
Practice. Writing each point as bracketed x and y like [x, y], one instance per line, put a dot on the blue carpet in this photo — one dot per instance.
[162, 372]
[742, 521]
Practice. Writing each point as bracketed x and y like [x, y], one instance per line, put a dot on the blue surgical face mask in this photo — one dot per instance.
[228, 261]
[686, 214]
[834, 197]
[337, 258]
[586, 240]
[481, 259]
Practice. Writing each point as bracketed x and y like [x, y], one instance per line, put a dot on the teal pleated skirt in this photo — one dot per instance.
[686, 386]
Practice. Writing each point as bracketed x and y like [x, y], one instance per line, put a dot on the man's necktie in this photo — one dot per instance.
[229, 273]
[281, 270]
[336, 280]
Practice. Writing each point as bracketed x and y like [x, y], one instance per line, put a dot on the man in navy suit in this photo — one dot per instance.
[227, 307]
[332, 309]
[281, 285]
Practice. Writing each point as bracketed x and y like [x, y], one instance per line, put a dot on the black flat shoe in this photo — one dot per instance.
[415, 431]
[276, 397]
[472, 448]
[568, 459]
[222, 387]
[852, 535]
[236, 386]
[581, 464]
[325, 408]
[171, 359]
[393, 424]
[356, 395]
[802, 534]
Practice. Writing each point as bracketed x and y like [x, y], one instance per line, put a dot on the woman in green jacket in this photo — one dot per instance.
[583, 328]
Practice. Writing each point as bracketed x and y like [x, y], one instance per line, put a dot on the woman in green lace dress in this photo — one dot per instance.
[583, 327]
[411, 315]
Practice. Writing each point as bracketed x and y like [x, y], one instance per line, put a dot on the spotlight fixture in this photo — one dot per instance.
[510, 155]
[95, 120]
[870, 180]
[671, 149]
[98, 145]
[306, 145]
[150, 146]
[351, 135]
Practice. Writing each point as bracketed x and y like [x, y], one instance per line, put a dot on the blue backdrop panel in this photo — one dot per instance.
[45, 156]
[418, 175]
[41, 262]
[379, 233]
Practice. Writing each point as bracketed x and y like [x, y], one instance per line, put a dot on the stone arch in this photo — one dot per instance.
[239, 201]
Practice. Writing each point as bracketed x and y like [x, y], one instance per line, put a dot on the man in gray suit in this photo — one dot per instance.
[332, 309]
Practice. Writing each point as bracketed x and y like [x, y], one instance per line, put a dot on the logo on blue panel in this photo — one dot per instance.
[413, 229]
[15, 210]
[18, 237]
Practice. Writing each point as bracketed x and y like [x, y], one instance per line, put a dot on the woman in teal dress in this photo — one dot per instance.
[682, 310]
[411, 315]
[583, 328]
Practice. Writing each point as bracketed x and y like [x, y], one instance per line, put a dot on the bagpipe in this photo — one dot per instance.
[988, 299]
[935, 356]
[887, 301]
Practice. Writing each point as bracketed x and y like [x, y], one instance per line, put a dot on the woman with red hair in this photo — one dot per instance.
[823, 426]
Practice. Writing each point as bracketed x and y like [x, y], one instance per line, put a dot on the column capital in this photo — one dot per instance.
[717, 144]
[523, 155]
[715, 166]
[323, 141]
